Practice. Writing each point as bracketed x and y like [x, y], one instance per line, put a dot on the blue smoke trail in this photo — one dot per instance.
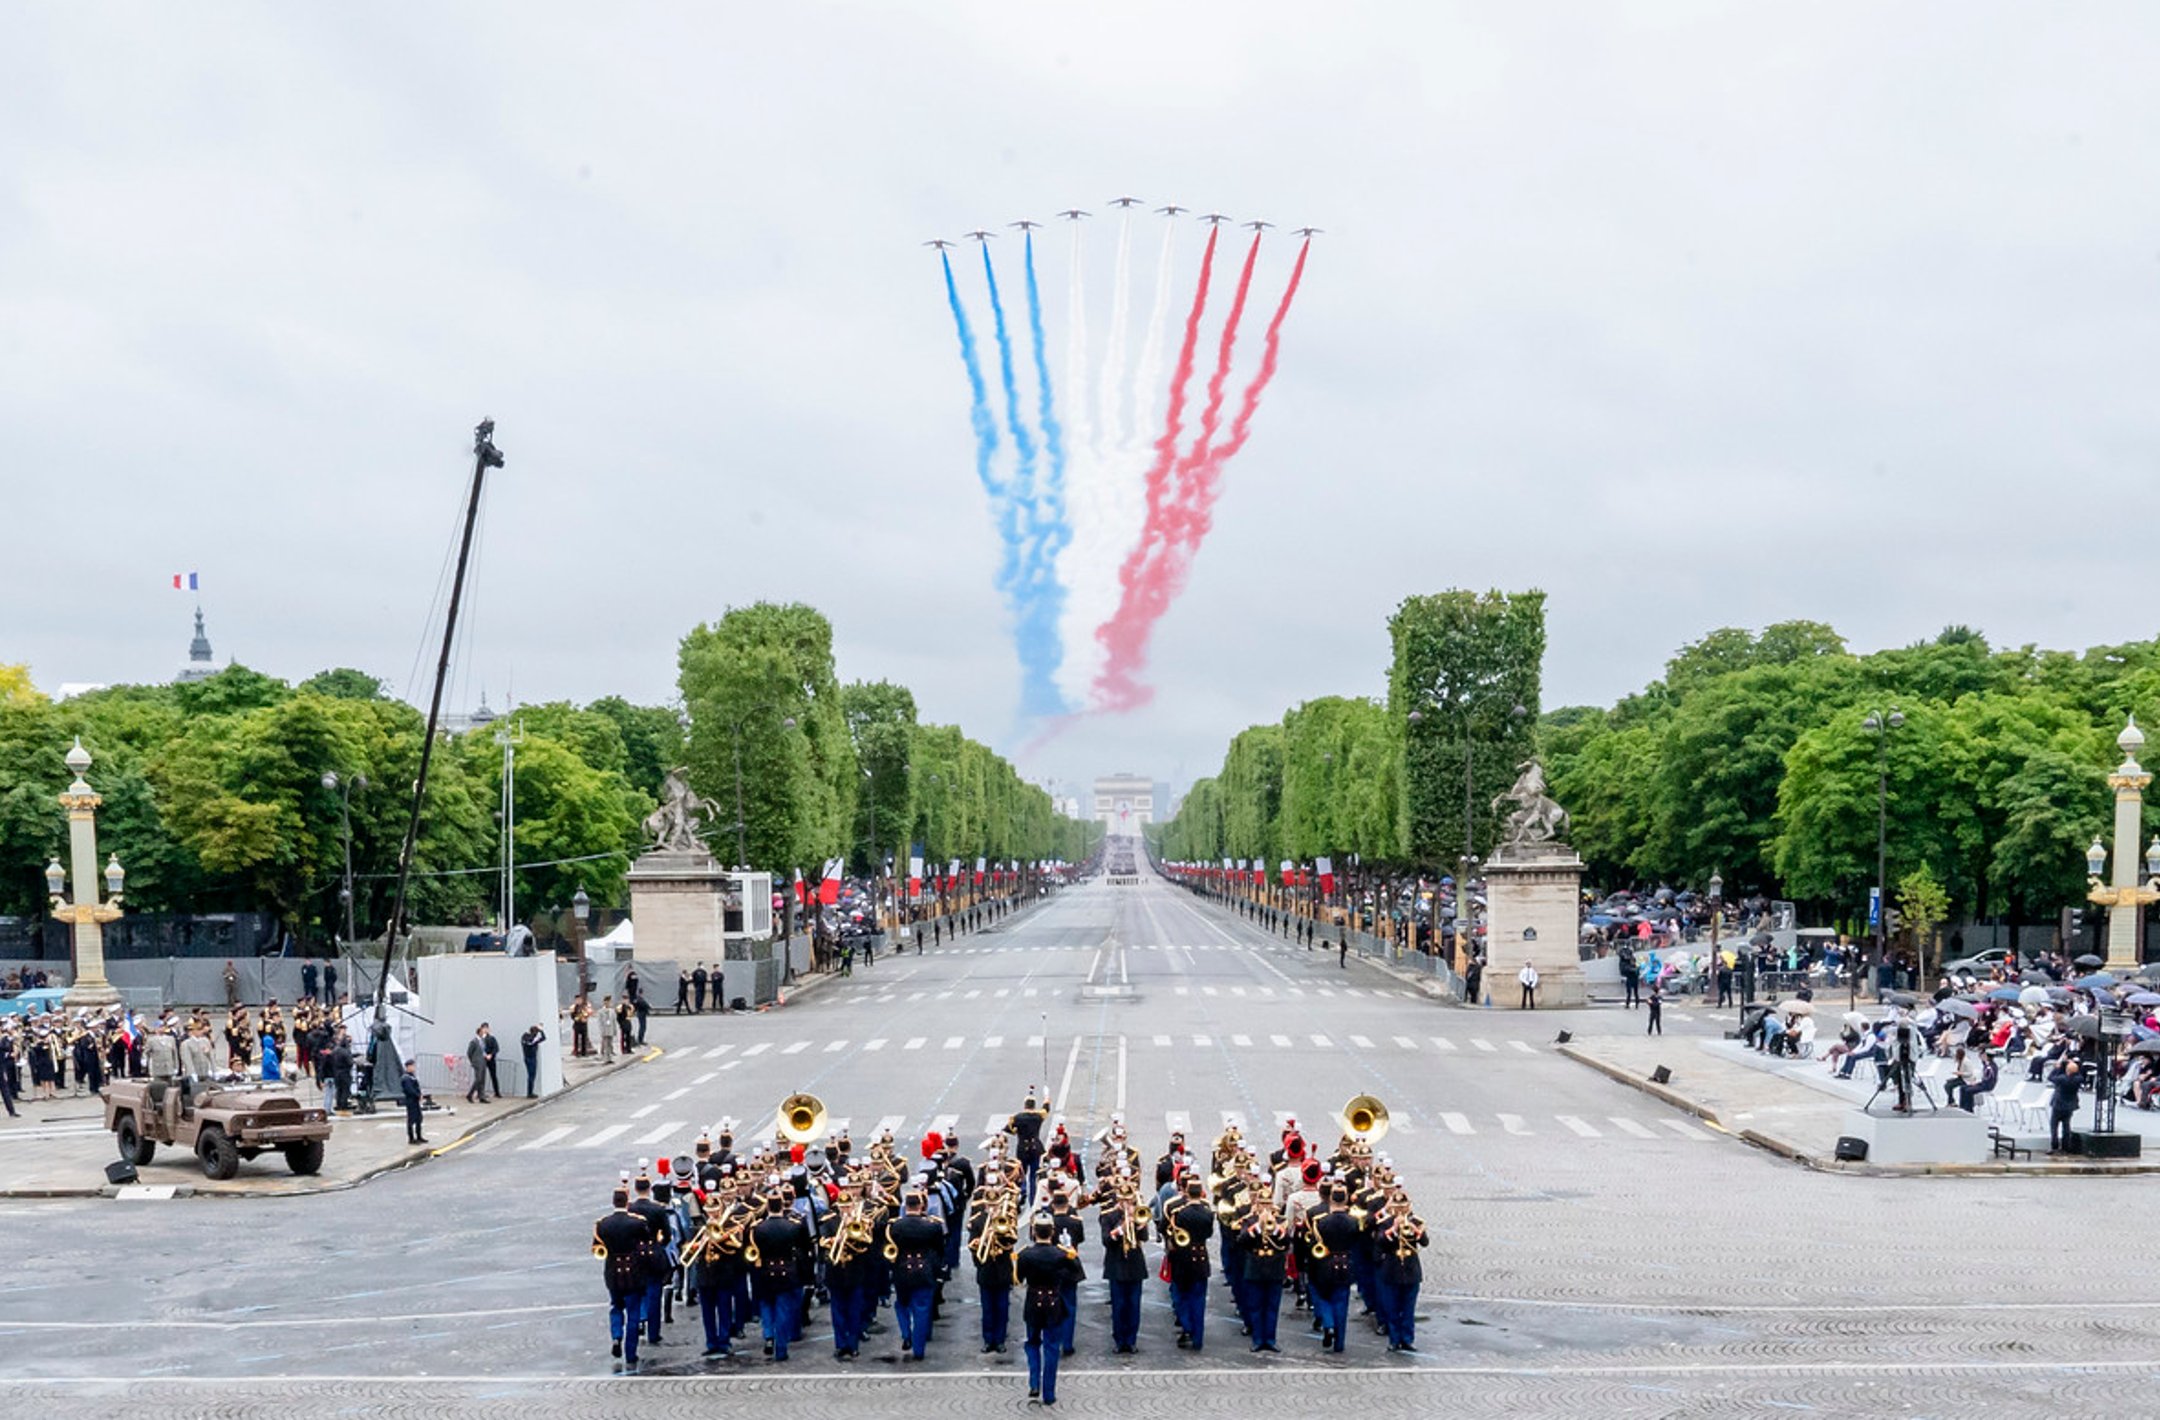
[986, 438]
[1046, 596]
[1036, 641]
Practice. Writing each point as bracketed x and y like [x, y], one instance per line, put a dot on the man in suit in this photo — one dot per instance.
[310, 978]
[476, 1059]
[1045, 1272]
[698, 981]
[529, 1045]
[491, 1046]
[920, 1239]
[409, 1089]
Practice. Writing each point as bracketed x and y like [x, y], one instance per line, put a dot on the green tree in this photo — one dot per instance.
[344, 683]
[881, 721]
[1922, 903]
[652, 737]
[1468, 669]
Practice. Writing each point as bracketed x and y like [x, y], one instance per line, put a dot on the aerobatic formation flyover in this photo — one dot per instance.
[1102, 481]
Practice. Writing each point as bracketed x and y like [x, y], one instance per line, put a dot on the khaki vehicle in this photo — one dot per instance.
[222, 1124]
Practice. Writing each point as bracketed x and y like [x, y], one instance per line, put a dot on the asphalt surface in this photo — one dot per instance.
[1592, 1248]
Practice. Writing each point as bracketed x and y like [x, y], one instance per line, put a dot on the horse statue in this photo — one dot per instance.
[673, 827]
[1535, 817]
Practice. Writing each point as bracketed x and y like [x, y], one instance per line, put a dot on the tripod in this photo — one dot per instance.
[1899, 1073]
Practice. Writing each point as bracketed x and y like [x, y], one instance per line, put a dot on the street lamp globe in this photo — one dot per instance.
[2152, 858]
[55, 879]
[78, 758]
[2096, 857]
[115, 876]
[1416, 717]
[2132, 739]
[788, 723]
[1897, 717]
[330, 780]
[580, 904]
[1717, 888]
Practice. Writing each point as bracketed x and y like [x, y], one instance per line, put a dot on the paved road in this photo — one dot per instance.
[1592, 1249]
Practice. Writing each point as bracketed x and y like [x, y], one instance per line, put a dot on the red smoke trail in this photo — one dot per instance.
[1185, 524]
[1211, 417]
[1124, 635]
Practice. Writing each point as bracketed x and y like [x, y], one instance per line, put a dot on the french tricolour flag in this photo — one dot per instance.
[185, 582]
[1327, 876]
[829, 889]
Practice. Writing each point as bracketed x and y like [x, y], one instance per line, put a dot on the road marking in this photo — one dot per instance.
[1324, 991]
[993, 1042]
[1002, 991]
[1237, 990]
[1457, 1123]
[1321, 1041]
[1177, 1121]
[797, 1048]
[1034, 1042]
[1281, 1042]
[676, 1095]
[1209, 991]
[953, 1042]
[1071, 1059]
[759, 1049]
[707, 1078]
[599, 1137]
[671, 1127]
[1485, 1045]
[1241, 1040]
[877, 1044]
[1441, 1042]
[1524, 1046]
[1629, 1126]
[554, 1136]
[641, 1113]
[1183, 990]
[1405, 1042]
[889, 1124]
[1685, 1130]
[1587, 1131]
[915, 1042]
[1201, 1041]
[717, 1051]
[1361, 1042]
[1513, 1124]
[495, 1139]
[970, 995]
[835, 1045]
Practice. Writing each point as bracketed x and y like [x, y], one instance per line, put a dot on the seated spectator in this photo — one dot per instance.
[1871, 1049]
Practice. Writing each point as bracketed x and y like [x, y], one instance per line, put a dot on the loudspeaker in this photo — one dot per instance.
[2105, 1146]
[1661, 1076]
[1564, 1037]
[1851, 1150]
[119, 1171]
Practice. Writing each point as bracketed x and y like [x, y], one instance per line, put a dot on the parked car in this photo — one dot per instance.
[1981, 963]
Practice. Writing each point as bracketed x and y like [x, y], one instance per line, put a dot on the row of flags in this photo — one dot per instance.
[998, 874]
[1255, 872]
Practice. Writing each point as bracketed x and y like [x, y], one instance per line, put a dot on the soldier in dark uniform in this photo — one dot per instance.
[782, 1240]
[991, 1212]
[1336, 1238]
[1187, 1228]
[1026, 1129]
[661, 1219]
[920, 1241]
[409, 1091]
[1071, 1233]
[1046, 1273]
[1266, 1254]
[1124, 1224]
[1398, 1240]
[622, 1240]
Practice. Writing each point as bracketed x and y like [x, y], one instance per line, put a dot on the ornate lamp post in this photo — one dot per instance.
[2127, 891]
[86, 914]
[580, 909]
[1717, 920]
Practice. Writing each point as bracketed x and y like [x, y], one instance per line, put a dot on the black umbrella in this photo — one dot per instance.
[1901, 998]
[1963, 1010]
[2089, 960]
[2147, 1047]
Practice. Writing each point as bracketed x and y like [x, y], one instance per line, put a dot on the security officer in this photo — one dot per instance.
[1046, 1273]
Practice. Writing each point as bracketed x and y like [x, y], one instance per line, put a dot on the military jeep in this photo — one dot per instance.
[222, 1123]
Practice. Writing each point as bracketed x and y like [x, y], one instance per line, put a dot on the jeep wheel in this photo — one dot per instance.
[134, 1148]
[220, 1160]
[305, 1157]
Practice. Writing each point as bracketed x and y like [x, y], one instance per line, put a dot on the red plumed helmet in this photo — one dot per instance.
[933, 1144]
[796, 1153]
[662, 1166]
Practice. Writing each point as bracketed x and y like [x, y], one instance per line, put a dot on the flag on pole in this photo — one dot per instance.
[914, 877]
[185, 582]
[1327, 875]
[979, 864]
[802, 890]
[829, 889]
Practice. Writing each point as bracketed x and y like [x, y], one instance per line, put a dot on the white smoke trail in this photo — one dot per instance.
[1080, 426]
[1113, 377]
[1141, 412]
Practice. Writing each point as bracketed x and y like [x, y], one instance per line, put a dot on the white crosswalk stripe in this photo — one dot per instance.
[1587, 1131]
[600, 1136]
[915, 1042]
[1241, 1040]
[759, 1049]
[1631, 1127]
[1201, 1041]
[1441, 1042]
[1513, 1124]
[1361, 1042]
[673, 1126]
[833, 1045]
[493, 1139]
[1685, 1130]
[717, 1051]
[953, 1042]
[553, 1136]
[1457, 1123]
[1321, 1041]
[1523, 1045]
[877, 1044]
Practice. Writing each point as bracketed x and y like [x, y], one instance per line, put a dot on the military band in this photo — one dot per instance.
[768, 1234]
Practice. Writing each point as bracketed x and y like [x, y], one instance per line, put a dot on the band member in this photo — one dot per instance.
[1046, 1272]
[780, 1240]
[623, 1241]
[917, 1243]
[1187, 1227]
[850, 1240]
[1401, 1273]
[1267, 1259]
[1124, 1224]
[661, 1219]
[1333, 1239]
[993, 1234]
[1026, 1128]
[1071, 1232]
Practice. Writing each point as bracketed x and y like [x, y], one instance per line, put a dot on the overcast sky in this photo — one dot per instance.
[1693, 315]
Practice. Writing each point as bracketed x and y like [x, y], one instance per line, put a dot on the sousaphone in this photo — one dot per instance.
[1365, 1118]
[802, 1118]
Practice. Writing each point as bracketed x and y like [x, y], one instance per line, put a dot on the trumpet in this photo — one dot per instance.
[1408, 1230]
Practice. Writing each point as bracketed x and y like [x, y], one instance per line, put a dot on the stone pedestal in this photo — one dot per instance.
[678, 901]
[1533, 897]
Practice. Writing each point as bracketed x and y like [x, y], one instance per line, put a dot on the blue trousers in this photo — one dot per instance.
[652, 1310]
[716, 1308]
[997, 1314]
[1365, 1271]
[1331, 1308]
[1188, 1303]
[1263, 1301]
[1125, 1313]
[850, 1313]
[780, 1318]
[626, 1317]
[1398, 1311]
[911, 1304]
[1043, 1345]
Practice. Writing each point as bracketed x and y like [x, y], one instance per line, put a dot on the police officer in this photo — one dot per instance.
[1046, 1273]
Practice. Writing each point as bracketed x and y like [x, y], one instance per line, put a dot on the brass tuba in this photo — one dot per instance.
[802, 1118]
[1366, 1118]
